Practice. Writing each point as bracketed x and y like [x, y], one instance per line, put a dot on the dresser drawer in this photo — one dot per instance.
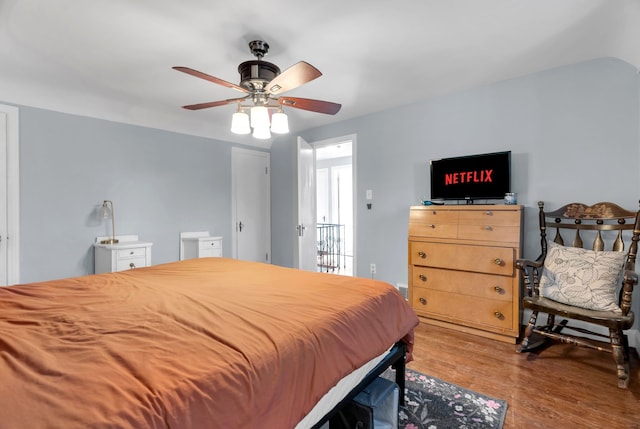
[133, 252]
[433, 215]
[434, 230]
[129, 263]
[200, 245]
[210, 244]
[482, 259]
[490, 225]
[433, 223]
[490, 217]
[489, 232]
[210, 248]
[463, 282]
[463, 309]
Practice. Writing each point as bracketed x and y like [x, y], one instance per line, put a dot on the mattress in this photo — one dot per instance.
[337, 392]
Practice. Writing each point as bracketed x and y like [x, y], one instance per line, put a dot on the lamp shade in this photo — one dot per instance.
[279, 123]
[107, 211]
[259, 117]
[240, 123]
[262, 132]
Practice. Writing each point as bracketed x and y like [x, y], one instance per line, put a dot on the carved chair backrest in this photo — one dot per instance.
[598, 224]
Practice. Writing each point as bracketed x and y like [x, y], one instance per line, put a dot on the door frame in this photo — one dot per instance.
[332, 142]
[12, 236]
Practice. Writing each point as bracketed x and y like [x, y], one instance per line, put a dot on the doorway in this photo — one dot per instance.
[335, 228]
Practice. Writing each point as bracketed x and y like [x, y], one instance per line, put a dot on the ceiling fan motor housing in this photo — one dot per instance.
[255, 74]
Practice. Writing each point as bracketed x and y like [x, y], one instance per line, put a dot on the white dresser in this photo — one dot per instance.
[127, 254]
[200, 245]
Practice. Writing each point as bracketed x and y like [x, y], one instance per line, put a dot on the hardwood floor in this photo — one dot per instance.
[561, 386]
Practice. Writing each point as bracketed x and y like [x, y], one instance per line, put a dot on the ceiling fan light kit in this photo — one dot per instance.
[262, 82]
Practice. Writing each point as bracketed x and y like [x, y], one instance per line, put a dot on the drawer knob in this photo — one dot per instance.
[132, 265]
[422, 277]
[489, 213]
[498, 289]
[488, 228]
[132, 252]
[498, 315]
[498, 261]
[432, 226]
[423, 301]
[422, 255]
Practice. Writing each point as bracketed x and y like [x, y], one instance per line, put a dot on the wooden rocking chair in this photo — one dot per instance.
[576, 283]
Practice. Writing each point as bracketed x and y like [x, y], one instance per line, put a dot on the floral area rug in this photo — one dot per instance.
[431, 403]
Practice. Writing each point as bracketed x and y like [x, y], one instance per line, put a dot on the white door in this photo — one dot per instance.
[251, 206]
[9, 196]
[306, 252]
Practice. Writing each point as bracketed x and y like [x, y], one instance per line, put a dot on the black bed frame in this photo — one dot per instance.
[395, 359]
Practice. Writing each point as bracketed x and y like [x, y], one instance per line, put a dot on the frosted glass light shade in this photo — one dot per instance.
[261, 132]
[259, 117]
[105, 211]
[279, 123]
[240, 123]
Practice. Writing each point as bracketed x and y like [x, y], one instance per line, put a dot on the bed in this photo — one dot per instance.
[201, 343]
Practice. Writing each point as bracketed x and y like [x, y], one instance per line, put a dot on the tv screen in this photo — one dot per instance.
[473, 177]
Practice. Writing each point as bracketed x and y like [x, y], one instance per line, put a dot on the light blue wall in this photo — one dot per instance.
[571, 125]
[161, 184]
[573, 133]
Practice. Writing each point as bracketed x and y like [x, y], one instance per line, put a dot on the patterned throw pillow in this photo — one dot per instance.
[582, 278]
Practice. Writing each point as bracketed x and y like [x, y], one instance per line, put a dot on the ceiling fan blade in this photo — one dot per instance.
[296, 75]
[309, 104]
[213, 79]
[214, 103]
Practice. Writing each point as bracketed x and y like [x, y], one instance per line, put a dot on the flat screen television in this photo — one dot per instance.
[473, 177]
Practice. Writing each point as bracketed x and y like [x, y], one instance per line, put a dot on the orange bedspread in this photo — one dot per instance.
[202, 343]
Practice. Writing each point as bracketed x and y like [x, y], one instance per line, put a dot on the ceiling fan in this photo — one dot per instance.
[262, 82]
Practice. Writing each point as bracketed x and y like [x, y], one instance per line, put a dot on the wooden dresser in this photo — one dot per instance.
[462, 271]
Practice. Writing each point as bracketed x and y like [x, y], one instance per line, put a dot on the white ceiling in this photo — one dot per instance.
[112, 59]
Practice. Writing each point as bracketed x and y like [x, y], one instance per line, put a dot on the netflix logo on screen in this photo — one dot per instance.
[473, 177]
[481, 176]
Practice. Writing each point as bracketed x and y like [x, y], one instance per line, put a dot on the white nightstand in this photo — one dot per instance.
[199, 245]
[129, 253]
